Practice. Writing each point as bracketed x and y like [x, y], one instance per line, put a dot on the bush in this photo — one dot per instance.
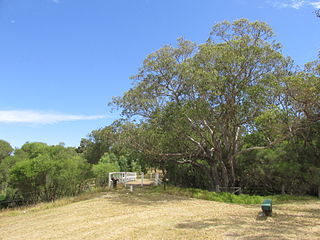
[2, 197]
[53, 172]
[107, 163]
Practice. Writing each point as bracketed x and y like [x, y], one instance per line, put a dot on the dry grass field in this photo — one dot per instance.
[142, 215]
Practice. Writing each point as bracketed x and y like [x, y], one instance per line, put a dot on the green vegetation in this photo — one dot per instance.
[229, 197]
[5, 149]
[107, 163]
[232, 111]
[2, 197]
[40, 172]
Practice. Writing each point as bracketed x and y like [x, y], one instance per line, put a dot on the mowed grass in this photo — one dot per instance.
[153, 214]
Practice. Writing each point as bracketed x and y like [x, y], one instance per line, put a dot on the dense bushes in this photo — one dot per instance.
[293, 164]
[40, 172]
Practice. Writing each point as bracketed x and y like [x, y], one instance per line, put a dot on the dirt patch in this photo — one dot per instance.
[153, 216]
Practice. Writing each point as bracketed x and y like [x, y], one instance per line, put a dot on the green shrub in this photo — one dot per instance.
[229, 197]
[2, 197]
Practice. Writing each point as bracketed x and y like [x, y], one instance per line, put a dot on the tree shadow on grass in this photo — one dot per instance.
[142, 197]
[194, 225]
[261, 216]
[206, 223]
[284, 223]
[279, 226]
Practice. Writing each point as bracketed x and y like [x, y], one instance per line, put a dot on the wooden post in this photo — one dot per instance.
[109, 180]
[282, 189]
[142, 178]
[131, 188]
[156, 179]
[217, 188]
[125, 179]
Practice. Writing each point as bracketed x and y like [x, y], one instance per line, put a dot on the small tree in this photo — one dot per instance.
[107, 163]
[47, 172]
[5, 149]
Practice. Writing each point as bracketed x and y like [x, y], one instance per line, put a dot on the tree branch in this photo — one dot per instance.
[271, 144]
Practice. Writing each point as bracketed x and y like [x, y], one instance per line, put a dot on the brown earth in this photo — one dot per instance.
[140, 215]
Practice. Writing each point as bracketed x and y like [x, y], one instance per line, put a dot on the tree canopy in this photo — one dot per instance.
[199, 104]
[5, 149]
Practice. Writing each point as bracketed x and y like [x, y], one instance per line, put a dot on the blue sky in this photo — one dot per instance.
[62, 61]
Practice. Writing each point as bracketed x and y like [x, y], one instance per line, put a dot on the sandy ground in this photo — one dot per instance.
[114, 215]
[138, 182]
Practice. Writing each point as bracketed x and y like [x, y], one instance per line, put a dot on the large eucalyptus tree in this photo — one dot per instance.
[214, 94]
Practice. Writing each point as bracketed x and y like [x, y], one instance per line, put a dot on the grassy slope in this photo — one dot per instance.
[155, 215]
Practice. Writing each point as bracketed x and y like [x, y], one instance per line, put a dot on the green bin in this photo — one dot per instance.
[267, 207]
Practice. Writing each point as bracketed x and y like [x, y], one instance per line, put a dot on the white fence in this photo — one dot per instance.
[126, 177]
[122, 177]
[155, 178]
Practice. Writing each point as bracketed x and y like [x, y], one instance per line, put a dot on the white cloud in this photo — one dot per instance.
[296, 4]
[315, 4]
[36, 117]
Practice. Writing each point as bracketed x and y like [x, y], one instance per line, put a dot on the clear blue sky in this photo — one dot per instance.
[61, 61]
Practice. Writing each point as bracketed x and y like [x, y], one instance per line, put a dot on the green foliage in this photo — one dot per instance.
[293, 164]
[6, 164]
[2, 197]
[111, 141]
[198, 102]
[98, 142]
[5, 149]
[34, 149]
[188, 176]
[47, 172]
[231, 111]
[229, 197]
[108, 163]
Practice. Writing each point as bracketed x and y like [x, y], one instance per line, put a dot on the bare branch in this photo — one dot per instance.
[194, 141]
[207, 125]
[189, 119]
[190, 162]
[171, 154]
[198, 143]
